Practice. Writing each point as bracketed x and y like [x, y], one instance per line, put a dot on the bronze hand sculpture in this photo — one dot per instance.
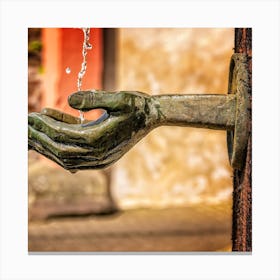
[63, 139]
[130, 116]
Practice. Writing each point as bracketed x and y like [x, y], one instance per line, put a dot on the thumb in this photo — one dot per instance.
[110, 101]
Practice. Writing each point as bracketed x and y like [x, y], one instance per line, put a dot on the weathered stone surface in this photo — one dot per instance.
[205, 228]
[53, 191]
[173, 165]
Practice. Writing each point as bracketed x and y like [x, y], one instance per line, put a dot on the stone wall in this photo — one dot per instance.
[173, 165]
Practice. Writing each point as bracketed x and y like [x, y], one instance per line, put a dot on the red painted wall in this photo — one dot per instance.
[62, 48]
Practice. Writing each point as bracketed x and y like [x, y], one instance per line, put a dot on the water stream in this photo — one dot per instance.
[86, 46]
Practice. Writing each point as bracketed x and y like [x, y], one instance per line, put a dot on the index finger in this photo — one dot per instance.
[110, 101]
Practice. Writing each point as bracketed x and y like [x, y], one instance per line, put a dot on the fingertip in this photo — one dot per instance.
[80, 99]
[75, 99]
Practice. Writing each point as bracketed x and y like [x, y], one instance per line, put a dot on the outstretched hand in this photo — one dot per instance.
[62, 138]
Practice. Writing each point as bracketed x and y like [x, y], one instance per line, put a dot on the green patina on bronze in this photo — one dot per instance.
[214, 111]
[61, 137]
[132, 115]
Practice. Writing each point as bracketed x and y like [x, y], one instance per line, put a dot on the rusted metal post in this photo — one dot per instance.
[242, 180]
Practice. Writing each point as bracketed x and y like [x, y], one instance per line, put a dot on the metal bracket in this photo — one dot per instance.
[239, 85]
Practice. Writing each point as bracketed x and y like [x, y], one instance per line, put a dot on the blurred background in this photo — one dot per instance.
[173, 190]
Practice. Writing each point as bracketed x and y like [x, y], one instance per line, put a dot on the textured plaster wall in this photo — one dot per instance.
[174, 165]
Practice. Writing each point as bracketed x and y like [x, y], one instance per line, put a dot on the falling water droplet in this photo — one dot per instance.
[68, 70]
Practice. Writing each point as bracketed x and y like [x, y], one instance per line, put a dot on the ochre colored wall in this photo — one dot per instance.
[174, 165]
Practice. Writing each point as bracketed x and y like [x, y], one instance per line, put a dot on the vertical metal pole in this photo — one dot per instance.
[242, 180]
[109, 83]
[110, 46]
